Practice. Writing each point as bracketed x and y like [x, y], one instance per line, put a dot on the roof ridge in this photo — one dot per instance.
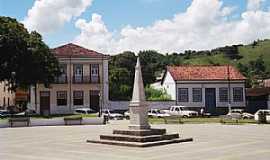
[74, 50]
[201, 65]
[205, 72]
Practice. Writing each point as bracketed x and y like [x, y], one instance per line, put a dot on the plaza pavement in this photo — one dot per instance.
[211, 142]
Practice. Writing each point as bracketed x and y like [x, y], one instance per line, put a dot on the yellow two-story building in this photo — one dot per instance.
[83, 83]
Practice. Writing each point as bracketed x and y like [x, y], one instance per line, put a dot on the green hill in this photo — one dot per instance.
[250, 53]
[252, 60]
[247, 54]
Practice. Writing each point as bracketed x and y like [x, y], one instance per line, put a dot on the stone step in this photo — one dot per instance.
[142, 139]
[138, 144]
[141, 132]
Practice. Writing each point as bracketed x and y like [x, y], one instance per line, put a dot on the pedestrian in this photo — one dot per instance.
[202, 111]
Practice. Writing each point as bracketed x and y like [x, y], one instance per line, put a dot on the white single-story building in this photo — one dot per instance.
[213, 88]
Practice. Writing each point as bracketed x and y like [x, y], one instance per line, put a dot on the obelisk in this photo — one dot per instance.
[139, 133]
[138, 107]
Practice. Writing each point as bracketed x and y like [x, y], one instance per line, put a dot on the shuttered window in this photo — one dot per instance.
[183, 94]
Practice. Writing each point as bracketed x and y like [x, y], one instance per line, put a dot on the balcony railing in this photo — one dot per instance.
[85, 80]
[61, 80]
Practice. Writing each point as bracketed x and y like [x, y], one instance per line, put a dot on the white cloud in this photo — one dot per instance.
[204, 25]
[50, 15]
[254, 4]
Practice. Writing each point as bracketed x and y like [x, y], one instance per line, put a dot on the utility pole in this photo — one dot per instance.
[229, 88]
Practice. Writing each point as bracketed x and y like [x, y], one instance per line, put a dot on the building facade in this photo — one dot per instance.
[213, 88]
[7, 97]
[83, 82]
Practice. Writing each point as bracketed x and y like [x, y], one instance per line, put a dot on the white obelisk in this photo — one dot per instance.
[138, 106]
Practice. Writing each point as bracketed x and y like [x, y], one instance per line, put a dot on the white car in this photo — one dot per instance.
[111, 115]
[157, 113]
[240, 113]
[266, 112]
[182, 111]
[27, 112]
[84, 111]
[126, 114]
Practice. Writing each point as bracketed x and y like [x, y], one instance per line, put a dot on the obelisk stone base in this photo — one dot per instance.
[138, 118]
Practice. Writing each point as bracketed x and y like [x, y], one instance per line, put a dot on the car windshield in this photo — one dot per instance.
[158, 111]
[161, 111]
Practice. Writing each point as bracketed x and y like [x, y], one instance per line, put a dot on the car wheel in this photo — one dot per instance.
[185, 116]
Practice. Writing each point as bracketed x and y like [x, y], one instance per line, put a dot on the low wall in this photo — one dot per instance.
[123, 105]
[53, 122]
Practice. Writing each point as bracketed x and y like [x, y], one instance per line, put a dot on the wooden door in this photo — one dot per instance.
[210, 100]
[45, 103]
[94, 100]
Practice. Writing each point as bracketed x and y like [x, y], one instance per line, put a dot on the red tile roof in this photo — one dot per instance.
[73, 50]
[204, 72]
[252, 92]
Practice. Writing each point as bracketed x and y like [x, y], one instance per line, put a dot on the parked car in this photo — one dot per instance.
[126, 114]
[28, 112]
[182, 111]
[240, 113]
[84, 111]
[111, 115]
[4, 113]
[265, 111]
[157, 113]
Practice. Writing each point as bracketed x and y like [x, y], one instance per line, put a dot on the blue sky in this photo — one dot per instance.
[118, 14]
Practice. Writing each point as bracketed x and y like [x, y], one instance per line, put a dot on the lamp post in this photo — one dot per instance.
[229, 88]
[100, 108]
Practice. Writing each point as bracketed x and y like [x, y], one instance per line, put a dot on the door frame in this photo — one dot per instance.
[98, 95]
[211, 109]
[41, 108]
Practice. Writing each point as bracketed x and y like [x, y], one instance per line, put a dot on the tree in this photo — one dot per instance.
[121, 75]
[153, 94]
[254, 71]
[152, 64]
[25, 59]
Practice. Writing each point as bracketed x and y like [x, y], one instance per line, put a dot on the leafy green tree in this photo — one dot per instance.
[254, 71]
[153, 94]
[25, 59]
[121, 75]
[152, 64]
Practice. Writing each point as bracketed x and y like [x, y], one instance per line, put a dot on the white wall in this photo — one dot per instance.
[106, 82]
[215, 85]
[123, 105]
[169, 85]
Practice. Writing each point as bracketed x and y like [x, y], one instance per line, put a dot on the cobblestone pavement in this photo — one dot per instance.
[211, 142]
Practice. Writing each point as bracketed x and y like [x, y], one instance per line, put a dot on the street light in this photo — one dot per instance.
[229, 88]
[100, 108]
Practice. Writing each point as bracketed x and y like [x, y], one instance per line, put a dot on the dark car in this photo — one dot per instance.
[4, 113]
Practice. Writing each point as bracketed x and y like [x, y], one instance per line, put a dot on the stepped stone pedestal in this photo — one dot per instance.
[140, 138]
[139, 132]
